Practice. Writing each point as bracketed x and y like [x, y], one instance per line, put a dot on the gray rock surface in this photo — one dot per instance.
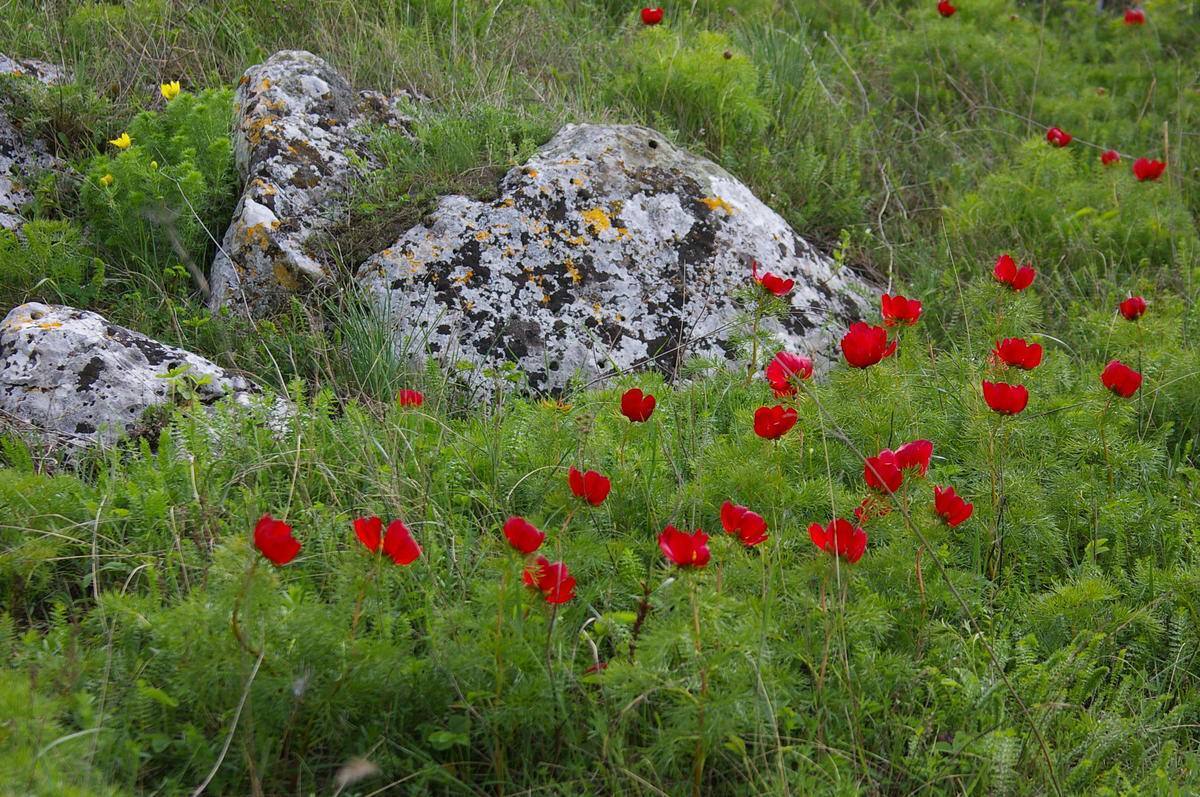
[297, 145]
[21, 156]
[609, 250]
[75, 377]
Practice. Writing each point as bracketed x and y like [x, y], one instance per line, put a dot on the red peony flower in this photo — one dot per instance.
[871, 507]
[1004, 398]
[652, 16]
[882, 472]
[636, 405]
[369, 531]
[841, 538]
[523, 535]
[273, 539]
[590, 486]
[1148, 169]
[773, 423]
[915, 455]
[1006, 272]
[1018, 353]
[945, 9]
[865, 345]
[552, 579]
[1109, 157]
[785, 370]
[897, 310]
[1133, 308]
[1121, 379]
[950, 506]
[771, 283]
[683, 549]
[399, 545]
[749, 526]
[1135, 16]
[1057, 137]
[410, 398]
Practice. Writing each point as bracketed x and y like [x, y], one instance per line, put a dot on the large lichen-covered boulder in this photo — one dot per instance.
[72, 376]
[22, 157]
[297, 146]
[610, 250]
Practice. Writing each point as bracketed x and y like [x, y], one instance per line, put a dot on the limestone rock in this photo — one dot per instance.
[21, 156]
[297, 147]
[610, 250]
[73, 376]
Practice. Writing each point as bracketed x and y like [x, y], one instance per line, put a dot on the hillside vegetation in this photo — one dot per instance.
[153, 643]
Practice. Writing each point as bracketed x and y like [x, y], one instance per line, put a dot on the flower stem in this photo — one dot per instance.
[698, 760]
[237, 605]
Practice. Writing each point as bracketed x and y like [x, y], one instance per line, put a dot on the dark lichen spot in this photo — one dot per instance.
[89, 375]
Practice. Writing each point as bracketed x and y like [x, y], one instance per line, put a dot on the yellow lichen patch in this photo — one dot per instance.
[509, 251]
[482, 235]
[285, 277]
[576, 181]
[507, 202]
[573, 270]
[569, 162]
[266, 84]
[468, 305]
[49, 325]
[598, 219]
[256, 235]
[464, 278]
[622, 232]
[715, 202]
[573, 240]
[531, 172]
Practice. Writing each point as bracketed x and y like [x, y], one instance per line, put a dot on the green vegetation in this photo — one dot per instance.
[1046, 645]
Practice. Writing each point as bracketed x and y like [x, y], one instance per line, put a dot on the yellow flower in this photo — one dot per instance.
[170, 90]
[106, 180]
[122, 141]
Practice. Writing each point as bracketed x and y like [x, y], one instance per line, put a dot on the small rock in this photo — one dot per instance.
[297, 148]
[73, 376]
[22, 157]
[610, 250]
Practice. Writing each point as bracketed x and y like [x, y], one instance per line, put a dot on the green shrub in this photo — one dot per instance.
[162, 202]
[692, 85]
[48, 262]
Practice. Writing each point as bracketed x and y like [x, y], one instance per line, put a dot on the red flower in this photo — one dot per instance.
[1135, 16]
[652, 16]
[1148, 169]
[1006, 271]
[882, 472]
[1109, 157]
[1004, 398]
[369, 531]
[773, 423]
[590, 486]
[945, 9]
[636, 405]
[1121, 379]
[865, 345]
[523, 535]
[772, 283]
[841, 538]
[749, 526]
[1019, 353]
[552, 579]
[783, 372]
[898, 310]
[399, 544]
[273, 539]
[1057, 137]
[410, 398]
[1133, 308]
[951, 506]
[683, 549]
[915, 455]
